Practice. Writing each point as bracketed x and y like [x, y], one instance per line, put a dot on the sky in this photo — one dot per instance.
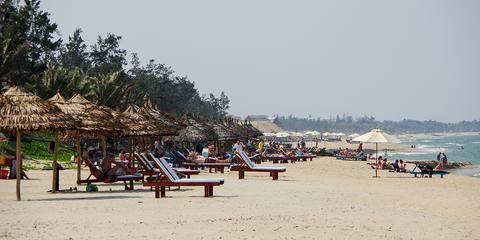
[415, 59]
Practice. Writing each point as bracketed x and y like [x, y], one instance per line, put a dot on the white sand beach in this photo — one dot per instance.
[322, 199]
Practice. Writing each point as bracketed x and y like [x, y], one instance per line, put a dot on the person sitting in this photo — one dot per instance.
[385, 164]
[118, 170]
[122, 156]
[402, 166]
[396, 167]
[345, 152]
[379, 162]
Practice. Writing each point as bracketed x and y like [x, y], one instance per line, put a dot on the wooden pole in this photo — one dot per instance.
[376, 159]
[18, 164]
[131, 163]
[104, 147]
[79, 157]
[55, 163]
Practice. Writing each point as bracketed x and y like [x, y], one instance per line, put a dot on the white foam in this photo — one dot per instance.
[476, 142]
[431, 149]
[454, 144]
[410, 153]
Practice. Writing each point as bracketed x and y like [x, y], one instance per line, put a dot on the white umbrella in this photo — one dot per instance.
[376, 136]
[354, 135]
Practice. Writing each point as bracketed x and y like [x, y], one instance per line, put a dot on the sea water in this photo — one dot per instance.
[457, 148]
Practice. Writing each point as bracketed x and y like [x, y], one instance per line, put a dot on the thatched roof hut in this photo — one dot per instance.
[223, 132]
[141, 123]
[238, 128]
[89, 117]
[171, 125]
[22, 111]
[195, 131]
[254, 132]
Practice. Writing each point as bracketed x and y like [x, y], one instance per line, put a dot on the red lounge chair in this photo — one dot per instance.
[169, 178]
[247, 165]
[218, 167]
[100, 176]
[148, 169]
[282, 159]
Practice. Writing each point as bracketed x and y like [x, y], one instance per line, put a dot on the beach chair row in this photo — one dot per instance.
[157, 174]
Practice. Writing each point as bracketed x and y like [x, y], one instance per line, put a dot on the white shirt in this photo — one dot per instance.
[238, 147]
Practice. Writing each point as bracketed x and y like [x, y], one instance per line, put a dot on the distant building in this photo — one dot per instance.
[264, 123]
[257, 118]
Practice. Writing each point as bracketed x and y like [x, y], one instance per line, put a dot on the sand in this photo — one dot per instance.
[322, 199]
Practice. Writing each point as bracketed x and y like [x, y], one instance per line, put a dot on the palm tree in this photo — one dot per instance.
[109, 90]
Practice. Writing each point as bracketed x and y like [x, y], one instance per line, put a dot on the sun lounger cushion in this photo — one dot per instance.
[129, 177]
[270, 168]
[200, 180]
[247, 160]
[167, 173]
[252, 165]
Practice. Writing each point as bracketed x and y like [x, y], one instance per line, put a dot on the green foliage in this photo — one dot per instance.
[39, 150]
[27, 41]
[363, 124]
[34, 56]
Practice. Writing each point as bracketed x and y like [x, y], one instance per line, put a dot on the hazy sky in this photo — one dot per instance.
[390, 59]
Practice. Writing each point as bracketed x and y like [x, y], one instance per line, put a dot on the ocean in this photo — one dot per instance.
[457, 148]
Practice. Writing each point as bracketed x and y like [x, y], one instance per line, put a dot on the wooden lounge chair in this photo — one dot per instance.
[169, 178]
[427, 172]
[148, 169]
[247, 165]
[218, 167]
[100, 176]
[280, 159]
[305, 157]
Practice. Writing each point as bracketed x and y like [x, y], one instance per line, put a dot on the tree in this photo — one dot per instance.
[106, 55]
[27, 40]
[74, 53]
[109, 90]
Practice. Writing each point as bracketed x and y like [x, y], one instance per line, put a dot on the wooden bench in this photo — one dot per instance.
[169, 178]
[247, 165]
[430, 173]
[148, 169]
[218, 167]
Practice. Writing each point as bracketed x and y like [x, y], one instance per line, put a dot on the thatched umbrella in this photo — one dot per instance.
[223, 132]
[195, 131]
[140, 123]
[238, 128]
[253, 130]
[22, 111]
[90, 119]
[172, 125]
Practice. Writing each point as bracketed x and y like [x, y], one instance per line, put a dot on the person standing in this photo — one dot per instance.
[360, 148]
[302, 143]
[444, 160]
[238, 147]
[261, 145]
[439, 161]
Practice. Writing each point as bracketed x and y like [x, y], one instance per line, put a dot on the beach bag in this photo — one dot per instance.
[92, 188]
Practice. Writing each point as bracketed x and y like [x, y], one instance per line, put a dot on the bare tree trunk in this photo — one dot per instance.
[55, 163]
[18, 165]
[79, 157]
